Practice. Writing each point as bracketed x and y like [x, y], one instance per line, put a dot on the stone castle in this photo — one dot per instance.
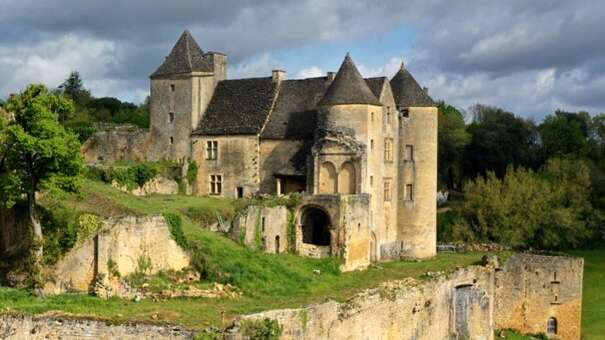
[364, 151]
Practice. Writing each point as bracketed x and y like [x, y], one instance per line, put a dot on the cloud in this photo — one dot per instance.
[310, 72]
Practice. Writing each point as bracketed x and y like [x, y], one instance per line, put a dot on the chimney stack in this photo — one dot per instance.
[330, 76]
[426, 90]
[278, 75]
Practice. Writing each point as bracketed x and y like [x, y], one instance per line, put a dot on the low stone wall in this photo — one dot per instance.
[13, 327]
[120, 247]
[118, 144]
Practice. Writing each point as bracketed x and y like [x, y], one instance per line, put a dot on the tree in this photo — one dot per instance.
[499, 139]
[565, 133]
[38, 154]
[452, 139]
[73, 87]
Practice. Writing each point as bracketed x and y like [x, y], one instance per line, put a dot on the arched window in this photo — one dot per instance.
[347, 179]
[327, 178]
[551, 326]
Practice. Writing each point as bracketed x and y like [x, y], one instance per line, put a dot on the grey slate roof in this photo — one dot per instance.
[376, 85]
[297, 165]
[295, 115]
[238, 107]
[407, 92]
[186, 56]
[349, 87]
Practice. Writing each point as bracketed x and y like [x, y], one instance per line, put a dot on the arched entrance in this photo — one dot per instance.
[315, 225]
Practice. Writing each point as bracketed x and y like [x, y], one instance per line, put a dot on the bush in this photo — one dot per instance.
[266, 329]
[192, 172]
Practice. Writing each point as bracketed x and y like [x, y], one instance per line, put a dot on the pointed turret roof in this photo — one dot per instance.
[186, 56]
[407, 92]
[348, 87]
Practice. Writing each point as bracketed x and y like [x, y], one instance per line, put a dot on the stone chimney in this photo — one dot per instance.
[278, 75]
[426, 90]
[330, 76]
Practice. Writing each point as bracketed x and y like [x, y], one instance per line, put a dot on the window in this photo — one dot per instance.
[551, 326]
[371, 180]
[388, 149]
[262, 224]
[240, 192]
[387, 190]
[216, 184]
[372, 116]
[409, 153]
[171, 117]
[211, 149]
[171, 140]
[172, 88]
[371, 144]
[405, 113]
[409, 192]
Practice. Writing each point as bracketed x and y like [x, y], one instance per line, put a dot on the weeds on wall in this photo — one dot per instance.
[131, 177]
[291, 231]
[175, 224]
[266, 329]
[259, 243]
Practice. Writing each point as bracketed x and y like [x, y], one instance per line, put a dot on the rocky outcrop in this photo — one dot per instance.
[18, 327]
[121, 248]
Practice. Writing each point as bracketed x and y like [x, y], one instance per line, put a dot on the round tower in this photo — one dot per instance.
[417, 217]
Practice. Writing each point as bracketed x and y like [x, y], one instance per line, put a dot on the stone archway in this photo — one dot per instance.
[347, 179]
[327, 178]
[315, 224]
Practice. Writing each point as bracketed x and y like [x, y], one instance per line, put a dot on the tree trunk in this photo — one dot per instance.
[37, 252]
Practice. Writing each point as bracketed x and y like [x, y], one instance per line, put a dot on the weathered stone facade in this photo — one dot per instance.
[117, 248]
[467, 304]
[335, 135]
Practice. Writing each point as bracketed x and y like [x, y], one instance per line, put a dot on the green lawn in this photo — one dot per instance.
[593, 301]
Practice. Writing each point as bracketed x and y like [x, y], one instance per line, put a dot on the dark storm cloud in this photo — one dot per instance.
[526, 55]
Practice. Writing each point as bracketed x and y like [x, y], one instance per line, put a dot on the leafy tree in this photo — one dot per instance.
[38, 154]
[499, 139]
[564, 133]
[452, 139]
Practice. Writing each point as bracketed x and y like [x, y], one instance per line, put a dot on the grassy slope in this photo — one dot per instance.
[593, 302]
[267, 281]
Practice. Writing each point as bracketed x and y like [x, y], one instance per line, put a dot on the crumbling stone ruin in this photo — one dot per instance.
[363, 151]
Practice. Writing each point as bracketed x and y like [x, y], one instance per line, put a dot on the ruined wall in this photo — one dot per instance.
[120, 245]
[158, 185]
[14, 327]
[418, 217]
[237, 163]
[531, 289]
[117, 144]
[266, 225]
[459, 303]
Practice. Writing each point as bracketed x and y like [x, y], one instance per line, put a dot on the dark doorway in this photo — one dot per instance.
[240, 192]
[315, 227]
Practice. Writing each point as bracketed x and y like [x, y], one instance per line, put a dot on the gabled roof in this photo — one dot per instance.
[294, 115]
[238, 107]
[186, 56]
[407, 92]
[349, 87]
[376, 85]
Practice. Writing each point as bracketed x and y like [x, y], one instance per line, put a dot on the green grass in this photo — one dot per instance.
[593, 299]
[267, 281]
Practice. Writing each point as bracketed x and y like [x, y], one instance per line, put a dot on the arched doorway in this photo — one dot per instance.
[315, 226]
[347, 179]
[327, 178]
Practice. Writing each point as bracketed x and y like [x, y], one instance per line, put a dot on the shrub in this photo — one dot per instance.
[192, 172]
[266, 329]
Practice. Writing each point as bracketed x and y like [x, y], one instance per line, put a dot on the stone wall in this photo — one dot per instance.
[469, 303]
[269, 224]
[117, 144]
[532, 289]
[158, 185]
[16, 327]
[119, 247]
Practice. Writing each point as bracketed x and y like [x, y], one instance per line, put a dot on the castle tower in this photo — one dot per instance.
[417, 217]
[348, 154]
[181, 89]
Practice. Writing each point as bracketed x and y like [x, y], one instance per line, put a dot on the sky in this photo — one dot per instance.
[529, 57]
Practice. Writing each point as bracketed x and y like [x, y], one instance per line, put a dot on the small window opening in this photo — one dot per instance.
[216, 184]
[372, 116]
[371, 144]
[388, 117]
[405, 113]
[371, 180]
[551, 326]
[171, 140]
[171, 117]
[172, 88]
[409, 192]
[211, 150]
[409, 153]
[277, 244]
[358, 227]
[240, 192]
[262, 224]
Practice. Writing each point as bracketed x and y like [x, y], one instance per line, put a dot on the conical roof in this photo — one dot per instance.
[186, 56]
[407, 92]
[348, 87]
